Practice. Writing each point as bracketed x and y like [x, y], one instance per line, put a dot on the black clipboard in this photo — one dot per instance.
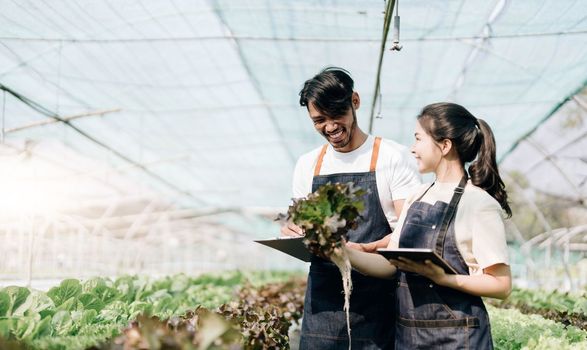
[418, 254]
[293, 246]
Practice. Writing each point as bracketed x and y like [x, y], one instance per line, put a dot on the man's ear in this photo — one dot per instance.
[356, 100]
[446, 146]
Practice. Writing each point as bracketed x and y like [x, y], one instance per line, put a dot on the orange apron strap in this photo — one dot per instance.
[375, 154]
[319, 162]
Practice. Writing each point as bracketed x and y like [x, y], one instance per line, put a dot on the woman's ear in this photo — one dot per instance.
[446, 146]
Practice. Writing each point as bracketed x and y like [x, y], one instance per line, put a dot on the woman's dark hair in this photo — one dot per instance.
[473, 141]
[330, 91]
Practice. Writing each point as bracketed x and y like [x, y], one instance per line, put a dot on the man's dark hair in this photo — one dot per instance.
[330, 91]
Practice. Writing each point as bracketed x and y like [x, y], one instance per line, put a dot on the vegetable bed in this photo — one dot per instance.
[230, 310]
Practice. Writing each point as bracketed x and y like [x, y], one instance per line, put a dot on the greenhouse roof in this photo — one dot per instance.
[199, 99]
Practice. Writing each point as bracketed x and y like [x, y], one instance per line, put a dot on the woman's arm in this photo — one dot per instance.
[369, 247]
[365, 259]
[371, 264]
[495, 282]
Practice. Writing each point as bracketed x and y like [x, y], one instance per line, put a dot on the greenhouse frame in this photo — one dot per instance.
[155, 139]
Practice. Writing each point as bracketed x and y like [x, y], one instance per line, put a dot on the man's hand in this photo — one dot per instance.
[370, 247]
[291, 230]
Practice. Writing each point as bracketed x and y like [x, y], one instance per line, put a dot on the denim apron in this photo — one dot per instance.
[372, 300]
[431, 316]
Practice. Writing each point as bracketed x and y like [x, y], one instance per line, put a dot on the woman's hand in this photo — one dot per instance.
[427, 269]
[370, 247]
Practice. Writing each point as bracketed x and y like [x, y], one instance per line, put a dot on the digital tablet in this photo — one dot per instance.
[418, 254]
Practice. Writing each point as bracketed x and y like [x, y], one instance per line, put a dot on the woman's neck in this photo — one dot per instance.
[449, 171]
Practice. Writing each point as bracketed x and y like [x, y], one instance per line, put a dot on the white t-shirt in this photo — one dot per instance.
[396, 172]
[479, 226]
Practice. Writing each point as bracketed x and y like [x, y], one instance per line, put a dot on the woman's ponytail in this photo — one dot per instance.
[473, 141]
[484, 172]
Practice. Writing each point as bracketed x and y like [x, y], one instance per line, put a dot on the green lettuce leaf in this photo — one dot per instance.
[69, 288]
[17, 295]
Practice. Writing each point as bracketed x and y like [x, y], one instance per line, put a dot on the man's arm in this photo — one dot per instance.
[301, 187]
[401, 178]
[398, 205]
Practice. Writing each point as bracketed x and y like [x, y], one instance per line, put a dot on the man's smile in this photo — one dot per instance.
[336, 136]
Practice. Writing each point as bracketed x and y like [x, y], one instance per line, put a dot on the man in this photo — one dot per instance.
[382, 166]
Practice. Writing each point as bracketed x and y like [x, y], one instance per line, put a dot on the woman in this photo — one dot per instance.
[461, 219]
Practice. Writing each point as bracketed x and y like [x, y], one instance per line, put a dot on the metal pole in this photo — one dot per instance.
[386, 22]
[60, 120]
[31, 230]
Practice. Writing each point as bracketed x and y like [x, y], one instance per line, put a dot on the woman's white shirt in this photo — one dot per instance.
[479, 224]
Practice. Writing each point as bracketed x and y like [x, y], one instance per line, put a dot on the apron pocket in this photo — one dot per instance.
[425, 334]
[421, 301]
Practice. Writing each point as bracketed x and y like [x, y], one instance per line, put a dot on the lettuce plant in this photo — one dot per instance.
[326, 216]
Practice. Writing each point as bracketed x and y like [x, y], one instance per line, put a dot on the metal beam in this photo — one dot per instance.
[63, 119]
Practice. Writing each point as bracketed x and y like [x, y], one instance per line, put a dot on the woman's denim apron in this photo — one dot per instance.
[431, 316]
[372, 300]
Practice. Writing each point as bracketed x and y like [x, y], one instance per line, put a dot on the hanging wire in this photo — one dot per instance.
[244, 38]
[396, 46]
[378, 116]
[377, 93]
